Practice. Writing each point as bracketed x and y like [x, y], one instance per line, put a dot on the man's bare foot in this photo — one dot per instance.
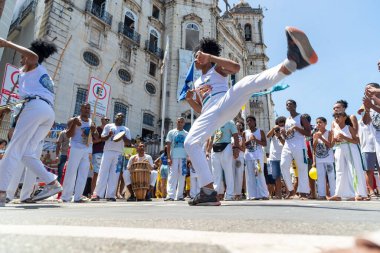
[335, 198]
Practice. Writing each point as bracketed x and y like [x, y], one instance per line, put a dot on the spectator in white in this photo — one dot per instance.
[79, 160]
[323, 158]
[341, 106]
[177, 161]
[238, 163]
[62, 146]
[97, 152]
[106, 185]
[295, 131]
[141, 156]
[367, 139]
[254, 139]
[276, 144]
[222, 158]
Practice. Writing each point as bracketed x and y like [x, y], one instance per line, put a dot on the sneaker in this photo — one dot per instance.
[27, 201]
[7, 200]
[3, 197]
[47, 191]
[204, 199]
[299, 48]
[111, 199]
[81, 200]
[168, 199]
[181, 199]
[131, 198]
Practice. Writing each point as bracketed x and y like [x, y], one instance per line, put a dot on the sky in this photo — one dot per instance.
[346, 36]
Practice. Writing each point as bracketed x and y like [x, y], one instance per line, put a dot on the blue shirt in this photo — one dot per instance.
[224, 134]
[164, 159]
[177, 140]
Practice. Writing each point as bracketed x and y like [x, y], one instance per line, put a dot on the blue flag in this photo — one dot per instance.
[277, 87]
[188, 83]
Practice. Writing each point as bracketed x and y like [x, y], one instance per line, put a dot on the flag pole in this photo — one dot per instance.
[164, 84]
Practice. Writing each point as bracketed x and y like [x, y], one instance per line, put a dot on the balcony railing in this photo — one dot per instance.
[130, 33]
[151, 47]
[99, 12]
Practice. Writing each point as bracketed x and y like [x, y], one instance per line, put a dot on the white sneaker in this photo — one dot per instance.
[47, 191]
[3, 199]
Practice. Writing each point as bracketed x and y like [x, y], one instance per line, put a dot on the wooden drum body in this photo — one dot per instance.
[140, 177]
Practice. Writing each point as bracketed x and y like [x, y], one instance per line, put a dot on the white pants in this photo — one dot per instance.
[176, 181]
[127, 177]
[29, 180]
[238, 174]
[76, 174]
[222, 163]
[255, 185]
[323, 169]
[108, 177]
[299, 155]
[32, 126]
[348, 165]
[195, 187]
[218, 110]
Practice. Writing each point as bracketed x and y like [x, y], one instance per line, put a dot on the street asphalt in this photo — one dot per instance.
[236, 226]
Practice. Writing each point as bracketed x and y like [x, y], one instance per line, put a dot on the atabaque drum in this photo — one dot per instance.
[140, 177]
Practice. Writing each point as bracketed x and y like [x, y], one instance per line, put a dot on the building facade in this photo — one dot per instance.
[6, 13]
[95, 34]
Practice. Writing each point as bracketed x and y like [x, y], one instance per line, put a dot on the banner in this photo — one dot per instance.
[96, 91]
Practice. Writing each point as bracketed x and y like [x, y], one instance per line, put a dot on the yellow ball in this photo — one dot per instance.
[313, 173]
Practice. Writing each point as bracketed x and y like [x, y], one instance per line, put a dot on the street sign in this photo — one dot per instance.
[97, 92]
[10, 80]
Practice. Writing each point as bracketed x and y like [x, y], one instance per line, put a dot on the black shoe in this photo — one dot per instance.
[204, 199]
[28, 201]
[181, 199]
[131, 198]
[148, 199]
[168, 199]
[95, 198]
[299, 48]
[111, 199]
[7, 200]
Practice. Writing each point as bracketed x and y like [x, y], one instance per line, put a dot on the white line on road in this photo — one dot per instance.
[233, 242]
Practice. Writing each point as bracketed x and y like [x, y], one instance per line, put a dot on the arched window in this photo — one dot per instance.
[130, 20]
[153, 39]
[148, 119]
[248, 32]
[120, 108]
[192, 36]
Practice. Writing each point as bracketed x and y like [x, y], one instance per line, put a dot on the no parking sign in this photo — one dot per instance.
[9, 81]
[96, 91]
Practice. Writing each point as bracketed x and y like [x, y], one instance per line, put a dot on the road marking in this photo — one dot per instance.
[233, 242]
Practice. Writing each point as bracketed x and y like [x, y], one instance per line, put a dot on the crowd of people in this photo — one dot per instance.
[221, 157]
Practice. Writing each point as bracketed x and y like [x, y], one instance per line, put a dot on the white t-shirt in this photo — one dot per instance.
[36, 82]
[177, 142]
[323, 154]
[367, 137]
[253, 151]
[212, 79]
[111, 145]
[133, 158]
[296, 139]
[275, 149]
[80, 138]
[375, 116]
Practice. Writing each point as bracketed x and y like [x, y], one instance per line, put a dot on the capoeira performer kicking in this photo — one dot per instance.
[108, 175]
[218, 104]
[35, 120]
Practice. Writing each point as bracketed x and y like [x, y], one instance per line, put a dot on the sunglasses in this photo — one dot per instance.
[106, 120]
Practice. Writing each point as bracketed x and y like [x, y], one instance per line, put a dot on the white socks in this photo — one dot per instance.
[290, 65]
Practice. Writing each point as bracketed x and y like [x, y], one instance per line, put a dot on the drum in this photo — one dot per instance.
[119, 136]
[140, 177]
